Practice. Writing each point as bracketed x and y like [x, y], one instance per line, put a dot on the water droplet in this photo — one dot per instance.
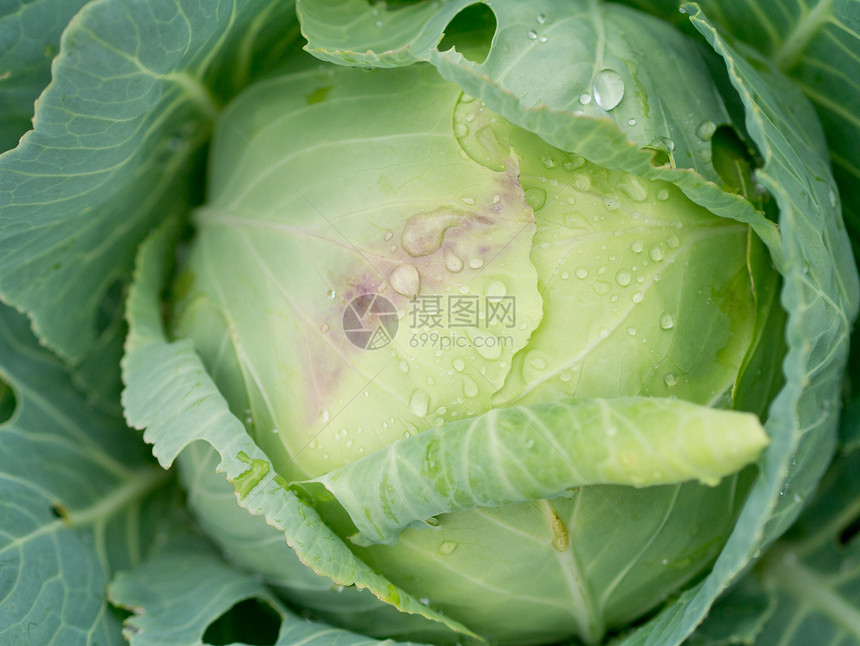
[461, 130]
[459, 364]
[331, 293]
[608, 89]
[532, 34]
[631, 331]
[585, 98]
[601, 287]
[581, 272]
[490, 348]
[404, 367]
[419, 402]
[476, 263]
[453, 263]
[536, 361]
[662, 194]
[832, 198]
[325, 416]
[541, 18]
[548, 162]
[631, 121]
[543, 39]
[637, 247]
[495, 289]
[611, 202]
[637, 297]
[573, 162]
[404, 279]
[633, 188]
[706, 130]
[667, 321]
[324, 328]
[389, 235]
[565, 275]
[447, 547]
[672, 242]
[535, 198]
[469, 201]
[656, 253]
[582, 183]
[623, 278]
[470, 388]
[670, 379]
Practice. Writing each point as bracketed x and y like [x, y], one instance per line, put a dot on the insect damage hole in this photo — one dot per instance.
[8, 402]
[252, 621]
[849, 532]
[471, 33]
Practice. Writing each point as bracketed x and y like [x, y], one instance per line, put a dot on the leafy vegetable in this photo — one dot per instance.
[502, 322]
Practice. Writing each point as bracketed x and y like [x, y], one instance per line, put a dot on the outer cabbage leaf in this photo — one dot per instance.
[255, 545]
[527, 453]
[184, 587]
[817, 45]
[79, 500]
[807, 586]
[116, 145]
[29, 39]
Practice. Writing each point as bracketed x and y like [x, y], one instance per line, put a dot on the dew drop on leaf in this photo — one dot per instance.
[419, 402]
[608, 89]
[453, 262]
[706, 130]
[667, 321]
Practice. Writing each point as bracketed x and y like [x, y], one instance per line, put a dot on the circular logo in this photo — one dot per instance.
[370, 321]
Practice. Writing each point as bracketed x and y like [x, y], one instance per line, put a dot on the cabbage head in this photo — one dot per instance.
[502, 322]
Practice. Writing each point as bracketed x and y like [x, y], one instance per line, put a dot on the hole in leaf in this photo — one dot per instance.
[471, 32]
[735, 163]
[110, 308]
[659, 157]
[58, 510]
[251, 621]
[8, 402]
[121, 614]
[849, 532]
